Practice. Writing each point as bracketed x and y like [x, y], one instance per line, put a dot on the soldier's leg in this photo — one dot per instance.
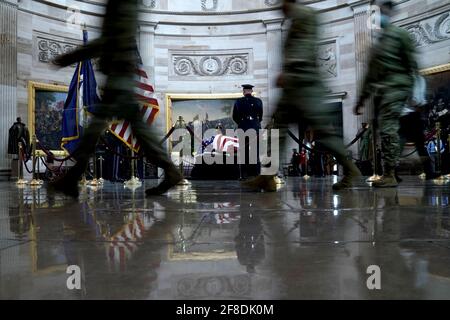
[68, 183]
[389, 114]
[155, 154]
[318, 116]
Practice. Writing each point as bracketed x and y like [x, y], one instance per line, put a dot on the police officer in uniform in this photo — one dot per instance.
[248, 113]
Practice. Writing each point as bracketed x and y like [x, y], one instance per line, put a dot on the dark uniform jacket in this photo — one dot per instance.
[248, 113]
[18, 133]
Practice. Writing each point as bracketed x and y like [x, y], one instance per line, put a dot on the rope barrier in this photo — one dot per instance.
[26, 166]
[52, 156]
[304, 145]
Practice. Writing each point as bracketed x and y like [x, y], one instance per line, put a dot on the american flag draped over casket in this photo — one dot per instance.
[221, 143]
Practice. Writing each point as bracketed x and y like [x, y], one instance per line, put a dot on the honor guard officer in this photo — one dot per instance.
[248, 113]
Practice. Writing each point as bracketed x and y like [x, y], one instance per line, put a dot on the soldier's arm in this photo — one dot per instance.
[91, 50]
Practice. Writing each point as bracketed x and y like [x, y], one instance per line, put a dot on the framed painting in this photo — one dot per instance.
[438, 94]
[211, 110]
[45, 110]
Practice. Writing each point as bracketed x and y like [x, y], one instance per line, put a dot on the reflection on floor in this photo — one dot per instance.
[214, 240]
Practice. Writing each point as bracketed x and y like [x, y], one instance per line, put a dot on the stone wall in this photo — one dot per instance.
[215, 46]
[8, 75]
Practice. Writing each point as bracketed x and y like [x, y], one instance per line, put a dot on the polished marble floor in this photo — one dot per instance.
[214, 240]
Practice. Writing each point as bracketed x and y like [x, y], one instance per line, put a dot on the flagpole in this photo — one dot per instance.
[84, 181]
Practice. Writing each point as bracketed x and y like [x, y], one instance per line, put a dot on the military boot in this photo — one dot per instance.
[266, 183]
[351, 172]
[68, 183]
[171, 178]
[387, 180]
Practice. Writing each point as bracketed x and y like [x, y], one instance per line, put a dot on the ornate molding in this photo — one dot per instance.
[210, 65]
[150, 4]
[272, 3]
[328, 59]
[430, 31]
[217, 286]
[48, 49]
[205, 3]
[437, 69]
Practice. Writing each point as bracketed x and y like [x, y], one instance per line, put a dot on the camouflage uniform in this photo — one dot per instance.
[117, 50]
[390, 75]
[303, 89]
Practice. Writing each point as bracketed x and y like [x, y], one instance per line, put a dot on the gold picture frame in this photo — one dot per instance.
[171, 97]
[436, 69]
[34, 90]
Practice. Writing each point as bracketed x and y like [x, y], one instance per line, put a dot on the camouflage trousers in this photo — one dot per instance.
[303, 104]
[388, 106]
[119, 104]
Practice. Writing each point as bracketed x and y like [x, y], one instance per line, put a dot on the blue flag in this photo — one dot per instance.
[81, 99]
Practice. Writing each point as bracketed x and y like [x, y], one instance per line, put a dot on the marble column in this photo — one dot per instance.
[8, 76]
[147, 48]
[274, 62]
[147, 52]
[363, 42]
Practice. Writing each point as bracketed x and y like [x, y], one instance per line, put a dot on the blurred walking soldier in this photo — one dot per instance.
[301, 101]
[391, 77]
[117, 51]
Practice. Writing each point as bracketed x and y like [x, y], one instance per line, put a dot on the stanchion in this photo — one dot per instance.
[306, 176]
[134, 182]
[438, 150]
[182, 124]
[101, 180]
[20, 180]
[375, 176]
[94, 182]
[448, 141]
[35, 182]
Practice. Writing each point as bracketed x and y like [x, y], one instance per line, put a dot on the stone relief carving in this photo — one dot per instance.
[429, 31]
[271, 3]
[210, 5]
[327, 60]
[149, 3]
[210, 65]
[220, 286]
[48, 49]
